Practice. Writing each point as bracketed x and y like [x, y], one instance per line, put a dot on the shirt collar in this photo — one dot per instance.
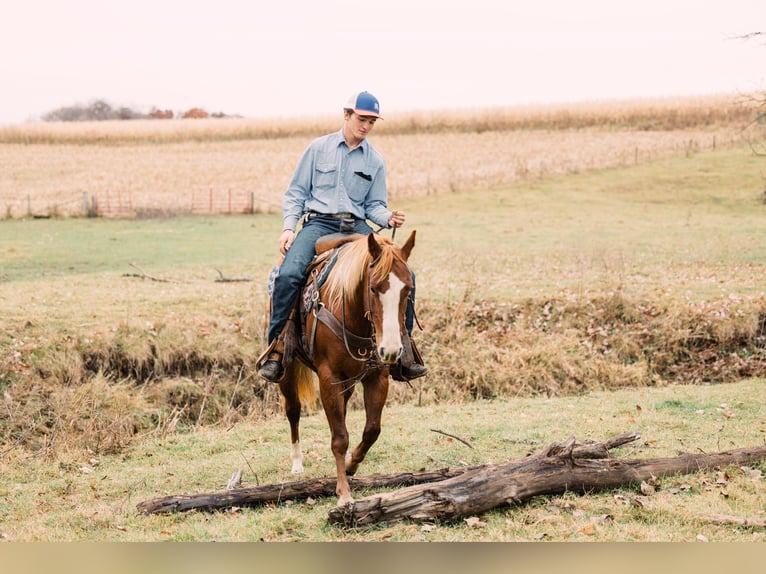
[342, 140]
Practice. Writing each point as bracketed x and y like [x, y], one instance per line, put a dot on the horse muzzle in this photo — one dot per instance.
[389, 354]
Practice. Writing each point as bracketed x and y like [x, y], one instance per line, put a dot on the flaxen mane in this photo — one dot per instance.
[348, 272]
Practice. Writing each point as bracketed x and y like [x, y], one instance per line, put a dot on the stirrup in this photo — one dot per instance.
[272, 370]
[269, 364]
[407, 373]
[276, 346]
[410, 365]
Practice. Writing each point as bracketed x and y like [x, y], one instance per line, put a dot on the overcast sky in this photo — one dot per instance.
[283, 58]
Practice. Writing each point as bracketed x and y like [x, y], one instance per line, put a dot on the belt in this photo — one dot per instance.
[314, 214]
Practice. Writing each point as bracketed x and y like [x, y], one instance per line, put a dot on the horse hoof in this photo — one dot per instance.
[344, 500]
[296, 469]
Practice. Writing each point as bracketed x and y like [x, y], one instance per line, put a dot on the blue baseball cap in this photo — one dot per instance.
[364, 104]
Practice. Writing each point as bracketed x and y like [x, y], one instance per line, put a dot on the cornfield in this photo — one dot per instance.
[162, 167]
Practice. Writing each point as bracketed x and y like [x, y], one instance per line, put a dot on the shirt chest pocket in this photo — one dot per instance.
[359, 186]
[325, 176]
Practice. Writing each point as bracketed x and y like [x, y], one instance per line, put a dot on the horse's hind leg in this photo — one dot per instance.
[293, 411]
[375, 393]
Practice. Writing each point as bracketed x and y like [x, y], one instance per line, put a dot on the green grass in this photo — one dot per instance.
[93, 498]
[66, 247]
[639, 228]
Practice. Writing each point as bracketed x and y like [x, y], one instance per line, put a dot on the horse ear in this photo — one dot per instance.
[373, 246]
[408, 245]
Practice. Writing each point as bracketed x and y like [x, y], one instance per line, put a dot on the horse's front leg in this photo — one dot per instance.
[375, 394]
[339, 448]
[334, 400]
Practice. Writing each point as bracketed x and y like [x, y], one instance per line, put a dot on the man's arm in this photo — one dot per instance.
[298, 191]
[376, 204]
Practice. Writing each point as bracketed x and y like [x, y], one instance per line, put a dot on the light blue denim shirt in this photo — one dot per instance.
[330, 178]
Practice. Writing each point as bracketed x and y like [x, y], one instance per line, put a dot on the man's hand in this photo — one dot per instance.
[286, 240]
[397, 219]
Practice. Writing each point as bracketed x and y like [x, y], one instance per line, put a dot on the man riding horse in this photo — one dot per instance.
[340, 182]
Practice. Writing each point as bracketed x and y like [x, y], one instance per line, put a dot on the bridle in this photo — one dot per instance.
[362, 349]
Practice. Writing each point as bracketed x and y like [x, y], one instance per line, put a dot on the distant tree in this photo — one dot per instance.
[195, 113]
[125, 113]
[98, 110]
[160, 114]
[101, 110]
[66, 114]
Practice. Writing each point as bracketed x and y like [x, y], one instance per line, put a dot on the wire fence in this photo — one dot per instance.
[121, 204]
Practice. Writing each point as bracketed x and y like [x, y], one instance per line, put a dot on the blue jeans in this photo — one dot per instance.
[288, 281]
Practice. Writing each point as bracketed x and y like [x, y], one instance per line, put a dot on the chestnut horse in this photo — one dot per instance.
[347, 329]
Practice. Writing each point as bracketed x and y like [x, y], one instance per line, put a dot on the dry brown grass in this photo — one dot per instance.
[104, 390]
[167, 167]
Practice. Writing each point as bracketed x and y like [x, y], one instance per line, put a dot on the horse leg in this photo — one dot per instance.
[375, 394]
[293, 411]
[334, 401]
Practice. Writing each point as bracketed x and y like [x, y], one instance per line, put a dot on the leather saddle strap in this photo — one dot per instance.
[332, 323]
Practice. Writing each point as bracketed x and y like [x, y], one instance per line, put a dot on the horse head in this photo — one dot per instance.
[389, 285]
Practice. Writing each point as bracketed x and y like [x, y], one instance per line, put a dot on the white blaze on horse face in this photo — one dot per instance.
[296, 456]
[390, 343]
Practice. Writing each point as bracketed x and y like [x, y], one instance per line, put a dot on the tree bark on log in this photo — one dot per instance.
[560, 468]
[736, 520]
[299, 489]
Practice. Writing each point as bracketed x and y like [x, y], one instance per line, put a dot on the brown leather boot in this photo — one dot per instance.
[410, 365]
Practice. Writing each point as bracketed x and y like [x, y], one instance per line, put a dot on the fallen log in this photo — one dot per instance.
[301, 489]
[558, 469]
[294, 490]
[144, 275]
[736, 520]
[223, 279]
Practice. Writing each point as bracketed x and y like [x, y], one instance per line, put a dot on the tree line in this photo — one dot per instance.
[101, 110]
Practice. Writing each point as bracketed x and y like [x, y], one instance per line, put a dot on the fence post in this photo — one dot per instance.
[252, 202]
[29, 205]
[85, 204]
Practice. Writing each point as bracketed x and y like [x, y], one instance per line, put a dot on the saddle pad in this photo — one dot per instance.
[312, 285]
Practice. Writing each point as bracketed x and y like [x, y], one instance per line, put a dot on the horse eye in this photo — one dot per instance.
[373, 290]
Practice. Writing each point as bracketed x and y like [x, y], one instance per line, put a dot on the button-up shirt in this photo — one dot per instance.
[331, 178]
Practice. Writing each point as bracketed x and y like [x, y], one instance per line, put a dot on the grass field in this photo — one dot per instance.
[92, 497]
[552, 306]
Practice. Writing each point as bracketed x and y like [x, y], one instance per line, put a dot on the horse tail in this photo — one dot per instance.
[305, 385]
